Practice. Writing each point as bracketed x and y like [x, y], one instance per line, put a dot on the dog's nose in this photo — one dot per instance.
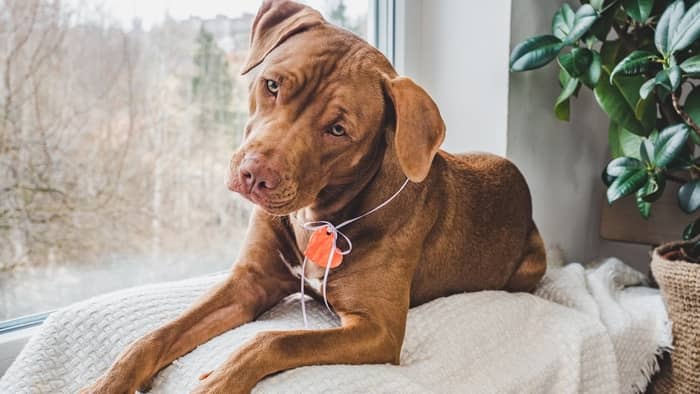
[256, 176]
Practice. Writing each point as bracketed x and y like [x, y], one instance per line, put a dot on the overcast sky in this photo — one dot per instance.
[152, 11]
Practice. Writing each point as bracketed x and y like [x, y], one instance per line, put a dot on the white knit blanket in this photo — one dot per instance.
[584, 332]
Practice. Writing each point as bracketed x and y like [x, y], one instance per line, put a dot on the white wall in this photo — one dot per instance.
[458, 51]
[449, 50]
[562, 161]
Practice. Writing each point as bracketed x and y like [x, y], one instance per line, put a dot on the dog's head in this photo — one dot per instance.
[324, 105]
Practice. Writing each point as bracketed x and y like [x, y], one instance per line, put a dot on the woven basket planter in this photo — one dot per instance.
[679, 281]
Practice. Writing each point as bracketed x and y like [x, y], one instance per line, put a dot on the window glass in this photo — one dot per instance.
[117, 121]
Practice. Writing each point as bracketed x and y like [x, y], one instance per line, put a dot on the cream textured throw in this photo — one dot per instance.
[596, 337]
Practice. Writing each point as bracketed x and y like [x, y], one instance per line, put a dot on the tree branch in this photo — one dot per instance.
[667, 111]
[674, 178]
[684, 115]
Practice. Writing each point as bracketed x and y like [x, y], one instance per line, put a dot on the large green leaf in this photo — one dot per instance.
[562, 110]
[597, 4]
[674, 76]
[688, 29]
[691, 65]
[692, 108]
[564, 77]
[669, 144]
[561, 106]
[692, 105]
[626, 184]
[643, 206]
[563, 21]
[644, 109]
[636, 63]
[534, 52]
[650, 192]
[668, 23]
[607, 179]
[613, 101]
[646, 88]
[621, 165]
[622, 142]
[592, 74]
[609, 53]
[653, 136]
[689, 196]
[646, 151]
[692, 230]
[684, 158]
[639, 10]
[576, 62]
[569, 26]
[585, 17]
[645, 112]
[662, 79]
[674, 73]
[601, 28]
[629, 87]
[654, 188]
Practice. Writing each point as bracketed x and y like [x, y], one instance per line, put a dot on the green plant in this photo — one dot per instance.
[640, 58]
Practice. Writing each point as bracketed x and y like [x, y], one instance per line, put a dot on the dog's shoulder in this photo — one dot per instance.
[479, 175]
[477, 163]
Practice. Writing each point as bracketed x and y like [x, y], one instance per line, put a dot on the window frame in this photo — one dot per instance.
[381, 31]
[383, 20]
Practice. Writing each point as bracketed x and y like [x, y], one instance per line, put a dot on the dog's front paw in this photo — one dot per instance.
[109, 384]
[215, 382]
[103, 385]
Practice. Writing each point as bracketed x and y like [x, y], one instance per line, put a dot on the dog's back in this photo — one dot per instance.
[484, 237]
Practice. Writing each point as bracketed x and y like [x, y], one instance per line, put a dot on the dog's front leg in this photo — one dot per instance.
[372, 332]
[358, 341]
[255, 284]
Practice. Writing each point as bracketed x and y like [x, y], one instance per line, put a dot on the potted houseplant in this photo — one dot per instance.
[641, 58]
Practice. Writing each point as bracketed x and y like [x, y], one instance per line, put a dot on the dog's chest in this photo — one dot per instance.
[313, 275]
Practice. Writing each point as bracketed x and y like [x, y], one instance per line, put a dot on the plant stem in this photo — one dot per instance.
[612, 3]
[674, 178]
[684, 115]
[667, 111]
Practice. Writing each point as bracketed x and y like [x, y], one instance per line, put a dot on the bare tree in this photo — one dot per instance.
[101, 147]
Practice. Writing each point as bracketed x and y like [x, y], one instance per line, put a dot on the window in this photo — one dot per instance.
[117, 121]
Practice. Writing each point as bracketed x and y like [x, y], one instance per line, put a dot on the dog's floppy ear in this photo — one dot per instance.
[276, 21]
[420, 129]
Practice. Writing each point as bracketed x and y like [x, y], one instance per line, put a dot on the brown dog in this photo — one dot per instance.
[333, 132]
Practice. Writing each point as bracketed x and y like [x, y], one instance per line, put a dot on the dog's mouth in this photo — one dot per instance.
[274, 207]
[271, 203]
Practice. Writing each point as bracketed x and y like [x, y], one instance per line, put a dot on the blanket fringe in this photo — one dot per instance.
[652, 366]
[648, 370]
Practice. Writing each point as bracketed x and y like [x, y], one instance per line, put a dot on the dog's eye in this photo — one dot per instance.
[337, 130]
[272, 86]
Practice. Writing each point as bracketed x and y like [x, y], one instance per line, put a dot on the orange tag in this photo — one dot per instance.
[319, 248]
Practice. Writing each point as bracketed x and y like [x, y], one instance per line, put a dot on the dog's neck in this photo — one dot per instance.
[372, 184]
